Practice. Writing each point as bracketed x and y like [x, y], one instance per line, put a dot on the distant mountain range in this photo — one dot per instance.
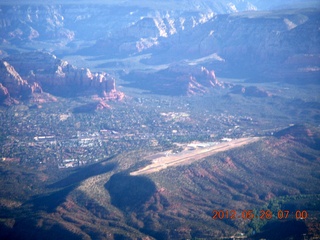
[220, 6]
[279, 45]
[67, 20]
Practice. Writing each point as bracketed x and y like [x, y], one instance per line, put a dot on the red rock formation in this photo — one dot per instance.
[193, 87]
[102, 105]
[43, 70]
[198, 79]
[13, 82]
[35, 88]
[3, 92]
[209, 78]
[59, 77]
[13, 87]
[178, 79]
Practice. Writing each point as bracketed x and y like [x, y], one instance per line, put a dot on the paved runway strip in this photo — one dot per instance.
[186, 157]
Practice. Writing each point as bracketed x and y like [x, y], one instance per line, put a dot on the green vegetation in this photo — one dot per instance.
[303, 207]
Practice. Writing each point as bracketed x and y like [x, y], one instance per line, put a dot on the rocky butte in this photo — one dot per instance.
[177, 79]
[13, 87]
[33, 72]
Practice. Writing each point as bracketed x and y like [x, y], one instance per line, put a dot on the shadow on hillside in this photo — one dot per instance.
[51, 201]
[82, 174]
[129, 192]
[26, 229]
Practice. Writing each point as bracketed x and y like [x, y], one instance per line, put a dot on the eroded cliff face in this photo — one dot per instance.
[135, 27]
[282, 45]
[58, 76]
[12, 81]
[137, 24]
[34, 72]
[145, 31]
[13, 87]
[67, 22]
[22, 23]
[4, 93]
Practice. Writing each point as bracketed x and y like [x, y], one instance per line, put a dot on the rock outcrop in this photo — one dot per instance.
[4, 93]
[12, 83]
[37, 75]
[13, 87]
[60, 78]
[176, 80]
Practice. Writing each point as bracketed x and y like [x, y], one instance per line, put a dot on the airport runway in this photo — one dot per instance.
[187, 156]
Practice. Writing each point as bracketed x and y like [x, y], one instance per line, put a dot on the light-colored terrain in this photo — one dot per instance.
[191, 153]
